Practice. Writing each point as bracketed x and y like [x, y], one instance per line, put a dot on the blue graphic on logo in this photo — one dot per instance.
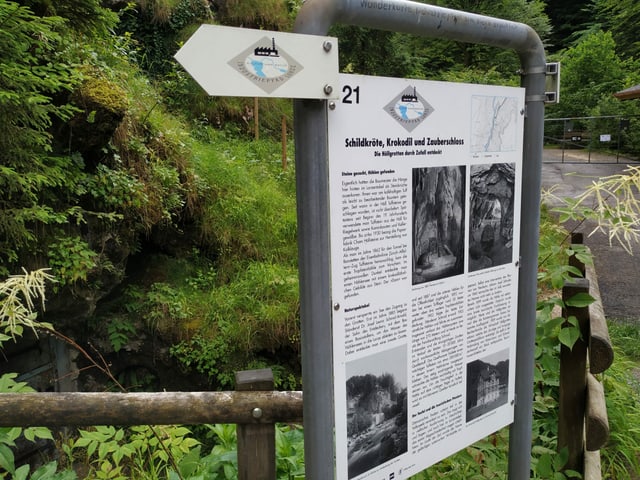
[410, 111]
[267, 67]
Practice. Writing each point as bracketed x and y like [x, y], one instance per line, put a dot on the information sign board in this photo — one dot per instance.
[425, 193]
[241, 62]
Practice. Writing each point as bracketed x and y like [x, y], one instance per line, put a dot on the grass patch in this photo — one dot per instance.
[620, 458]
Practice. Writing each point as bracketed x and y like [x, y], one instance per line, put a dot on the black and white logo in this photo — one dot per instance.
[266, 65]
[409, 108]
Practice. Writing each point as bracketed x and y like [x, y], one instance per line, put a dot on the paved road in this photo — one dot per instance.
[618, 272]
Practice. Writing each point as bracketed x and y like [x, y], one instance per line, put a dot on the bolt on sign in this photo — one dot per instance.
[240, 62]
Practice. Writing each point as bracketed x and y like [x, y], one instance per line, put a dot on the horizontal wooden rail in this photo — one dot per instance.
[596, 418]
[592, 466]
[164, 408]
[600, 346]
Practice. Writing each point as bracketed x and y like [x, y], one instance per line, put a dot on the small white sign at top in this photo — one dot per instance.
[240, 62]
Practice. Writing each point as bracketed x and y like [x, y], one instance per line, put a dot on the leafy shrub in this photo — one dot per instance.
[72, 260]
[137, 452]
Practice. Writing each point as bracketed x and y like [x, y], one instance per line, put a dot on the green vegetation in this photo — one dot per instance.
[160, 218]
[19, 295]
[135, 453]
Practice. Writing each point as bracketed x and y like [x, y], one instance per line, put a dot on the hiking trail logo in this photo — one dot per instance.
[409, 108]
[266, 65]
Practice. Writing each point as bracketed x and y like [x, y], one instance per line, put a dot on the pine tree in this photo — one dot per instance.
[32, 72]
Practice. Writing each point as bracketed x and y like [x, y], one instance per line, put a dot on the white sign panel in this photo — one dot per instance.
[425, 188]
[240, 62]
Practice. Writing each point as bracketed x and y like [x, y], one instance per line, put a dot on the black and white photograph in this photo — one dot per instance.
[438, 222]
[491, 222]
[376, 409]
[487, 384]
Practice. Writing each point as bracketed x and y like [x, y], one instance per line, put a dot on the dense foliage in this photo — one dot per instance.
[166, 226]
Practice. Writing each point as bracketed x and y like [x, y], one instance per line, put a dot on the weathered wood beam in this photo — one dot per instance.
[596, 419]
[592, 466]
[600, 346]
[165, 408]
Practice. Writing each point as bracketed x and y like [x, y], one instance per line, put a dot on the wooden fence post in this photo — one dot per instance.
[573, 381]
[256, 441]
[284, 142]
[256, 119]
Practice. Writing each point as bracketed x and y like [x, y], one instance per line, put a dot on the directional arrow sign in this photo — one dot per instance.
[240, 62]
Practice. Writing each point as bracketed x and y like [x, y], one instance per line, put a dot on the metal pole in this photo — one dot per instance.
[564, 131]
[533, 62]
[316, 17]
[619, 135]
[312, 184]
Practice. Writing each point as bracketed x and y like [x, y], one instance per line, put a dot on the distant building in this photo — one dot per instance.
[488, 388]
[629, 93]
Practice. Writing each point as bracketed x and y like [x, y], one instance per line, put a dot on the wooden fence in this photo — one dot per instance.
[254, 407]
[583, 425]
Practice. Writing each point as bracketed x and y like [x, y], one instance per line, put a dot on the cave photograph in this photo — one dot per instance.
[491, 212]
[438, 222]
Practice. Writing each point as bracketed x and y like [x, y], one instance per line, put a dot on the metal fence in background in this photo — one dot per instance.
[603, 139]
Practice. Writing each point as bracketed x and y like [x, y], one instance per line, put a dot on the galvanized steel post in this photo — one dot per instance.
[316, 17]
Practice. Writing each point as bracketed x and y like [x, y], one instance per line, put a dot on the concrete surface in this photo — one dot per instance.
[618, 272]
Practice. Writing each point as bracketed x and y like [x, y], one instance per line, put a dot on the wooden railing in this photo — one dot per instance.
[254, 407]
[583, 425]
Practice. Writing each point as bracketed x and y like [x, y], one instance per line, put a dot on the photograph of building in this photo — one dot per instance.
[487, 384]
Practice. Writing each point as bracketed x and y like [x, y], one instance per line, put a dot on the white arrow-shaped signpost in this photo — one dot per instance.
[239, 62]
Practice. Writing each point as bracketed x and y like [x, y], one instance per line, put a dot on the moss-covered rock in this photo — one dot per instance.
[103, 105]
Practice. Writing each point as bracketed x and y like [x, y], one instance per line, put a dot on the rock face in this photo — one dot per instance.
[491, 222]
[438, 222]
[93, 253]
[103, 105]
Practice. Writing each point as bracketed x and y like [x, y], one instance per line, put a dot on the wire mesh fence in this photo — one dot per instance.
[603, 139]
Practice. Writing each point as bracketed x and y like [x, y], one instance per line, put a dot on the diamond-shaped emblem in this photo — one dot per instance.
[266, 65]
[409, 108]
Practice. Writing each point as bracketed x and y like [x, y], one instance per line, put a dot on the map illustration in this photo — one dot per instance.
[494, 124]
[267, 67]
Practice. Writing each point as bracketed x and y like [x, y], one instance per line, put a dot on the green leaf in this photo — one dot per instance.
[7, 459]
[45, 472]
[580, 300]
[569, 336]
[229, 472]
[561, 458]
[543, 467]
[21, 473]
[572, 474]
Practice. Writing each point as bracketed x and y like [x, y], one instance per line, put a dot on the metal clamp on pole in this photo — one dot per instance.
[552, 83]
